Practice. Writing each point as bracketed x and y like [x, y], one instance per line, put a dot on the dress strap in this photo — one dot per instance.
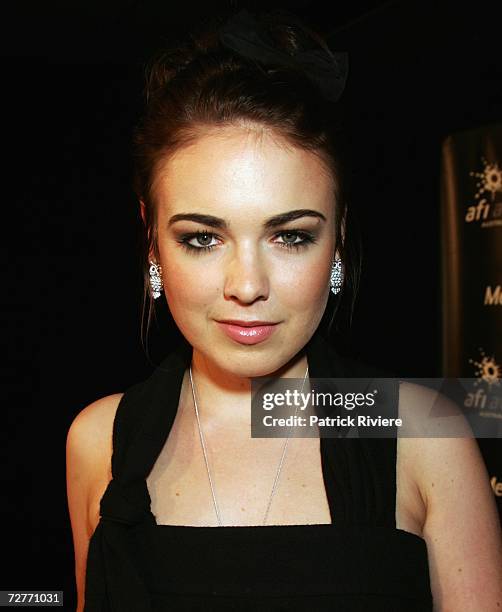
[114, 580]
[359, 472]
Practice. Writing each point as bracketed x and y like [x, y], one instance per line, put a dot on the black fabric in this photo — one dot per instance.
[359, 562]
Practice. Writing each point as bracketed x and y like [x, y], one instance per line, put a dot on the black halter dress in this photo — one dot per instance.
[359, 563]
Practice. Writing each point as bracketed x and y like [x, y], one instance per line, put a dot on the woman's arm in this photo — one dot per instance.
[462, 528]
[88, 471]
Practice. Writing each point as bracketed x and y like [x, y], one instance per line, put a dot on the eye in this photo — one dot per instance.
[202, 237]
[290, 239]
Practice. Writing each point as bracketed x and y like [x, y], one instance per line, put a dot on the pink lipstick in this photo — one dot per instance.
[247, 332]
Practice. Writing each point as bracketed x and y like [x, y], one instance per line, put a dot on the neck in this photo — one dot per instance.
[224, 398]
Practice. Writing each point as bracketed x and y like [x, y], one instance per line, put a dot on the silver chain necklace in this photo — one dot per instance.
[204, 451]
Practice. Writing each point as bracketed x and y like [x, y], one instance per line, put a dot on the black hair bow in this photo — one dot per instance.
[244, 34]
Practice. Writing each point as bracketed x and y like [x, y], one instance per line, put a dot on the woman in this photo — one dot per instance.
[248, 235]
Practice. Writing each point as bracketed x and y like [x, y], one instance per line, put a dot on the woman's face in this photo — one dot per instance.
[242, 261]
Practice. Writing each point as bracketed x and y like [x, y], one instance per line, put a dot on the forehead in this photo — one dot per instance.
[232, 169]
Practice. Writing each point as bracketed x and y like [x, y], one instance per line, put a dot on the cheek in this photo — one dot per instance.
[306, 286]
[187, 290]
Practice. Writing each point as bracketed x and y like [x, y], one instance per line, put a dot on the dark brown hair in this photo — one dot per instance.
[197, 83]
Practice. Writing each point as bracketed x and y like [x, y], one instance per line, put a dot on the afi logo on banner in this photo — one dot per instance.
[487, 211]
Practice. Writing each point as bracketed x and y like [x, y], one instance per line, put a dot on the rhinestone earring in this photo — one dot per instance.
[155, 279]
[336, 279]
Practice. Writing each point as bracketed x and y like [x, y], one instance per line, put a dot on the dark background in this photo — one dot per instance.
[71, 92]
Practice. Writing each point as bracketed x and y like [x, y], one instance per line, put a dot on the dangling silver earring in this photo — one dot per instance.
[336, 279]
[155, 279]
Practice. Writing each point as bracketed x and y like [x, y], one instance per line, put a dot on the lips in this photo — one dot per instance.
[247, 332]
[250, 323]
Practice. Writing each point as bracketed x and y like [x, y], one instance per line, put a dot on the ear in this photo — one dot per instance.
[142, 210]
[342, 231]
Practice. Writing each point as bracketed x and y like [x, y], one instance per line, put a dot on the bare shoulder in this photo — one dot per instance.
[89, 447]
[428, 418]
[427, 413]
[461, 527]
[92, 428]
[89, 450]
[440, 445]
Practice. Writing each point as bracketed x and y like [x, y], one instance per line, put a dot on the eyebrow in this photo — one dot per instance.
[270, 223]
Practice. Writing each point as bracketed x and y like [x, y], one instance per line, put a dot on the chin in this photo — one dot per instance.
[255, 363]
[249, 372]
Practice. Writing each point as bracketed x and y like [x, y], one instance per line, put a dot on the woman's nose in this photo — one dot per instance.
[246, 279]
